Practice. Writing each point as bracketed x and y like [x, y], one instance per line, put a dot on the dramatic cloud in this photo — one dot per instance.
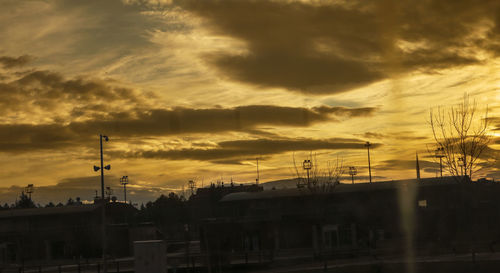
[10, 62]
[495, 122]
[164, 122]
[396, 164]
[394, 135]
[245, 149]
[48, 96]
[327, 48]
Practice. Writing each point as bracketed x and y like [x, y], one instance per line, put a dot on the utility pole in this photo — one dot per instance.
[367, 145]
[103, 205]
[124, 182]
[417, 166]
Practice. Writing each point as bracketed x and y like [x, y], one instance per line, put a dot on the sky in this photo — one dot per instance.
[197, 90]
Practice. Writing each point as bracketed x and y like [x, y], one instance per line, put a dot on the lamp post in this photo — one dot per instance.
[307, 165]
[461, 164]
[367, 145]
[103, 200]
[124, 182]
[439, 153]
[352, 172]
[29, 190]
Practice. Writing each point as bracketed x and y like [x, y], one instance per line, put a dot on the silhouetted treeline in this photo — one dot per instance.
[164, 210]
[25, 202]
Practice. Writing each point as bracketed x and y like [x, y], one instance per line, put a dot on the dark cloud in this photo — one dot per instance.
[405, 135]
[52, 93]
[11, 62]
[164, 122]
[244, 149]
[213, 120]
[328, 48]
[495, 122]
[398, 164]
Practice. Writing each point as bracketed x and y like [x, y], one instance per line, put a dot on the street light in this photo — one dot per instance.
[367, 145]
[353, 172]
[307, 165]
[29, 190]
[124, 182]
[103, 200]
[439, 153]
[461, 164]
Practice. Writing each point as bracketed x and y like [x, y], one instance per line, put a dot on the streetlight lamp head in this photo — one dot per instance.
[106, 138]
[96, 168]
[307, 165]
[107, 167]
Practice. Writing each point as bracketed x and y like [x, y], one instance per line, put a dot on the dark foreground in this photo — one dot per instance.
[481, 262]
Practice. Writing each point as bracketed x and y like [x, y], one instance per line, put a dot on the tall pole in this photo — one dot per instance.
[441, 166]
[102, 170]
[258, 178]
[125, 193]
[103, 213]
[352, 172]
[124, 182]
[440, 154]
[368, 144]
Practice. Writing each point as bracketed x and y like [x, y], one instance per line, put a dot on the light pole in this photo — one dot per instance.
[439, 153]
[29, 190]
[124, 182]
[352, 172]
[103, 201]
[367, 145]
[461, 164]
[307, 165]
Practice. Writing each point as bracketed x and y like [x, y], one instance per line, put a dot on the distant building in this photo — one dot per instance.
[433, 215]
[67, 232]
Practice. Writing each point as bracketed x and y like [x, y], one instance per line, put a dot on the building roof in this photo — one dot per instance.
[47, 211]
[339, 188]
[59, 210]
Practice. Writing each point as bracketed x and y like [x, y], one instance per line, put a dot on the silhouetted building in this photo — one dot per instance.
[65, 232]
[433, 215]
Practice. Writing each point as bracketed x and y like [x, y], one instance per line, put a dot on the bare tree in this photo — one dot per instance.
[335, 170]
[319, 179]
[461, 135]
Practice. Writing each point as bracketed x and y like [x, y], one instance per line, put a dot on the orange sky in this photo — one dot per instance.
[199, 89]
